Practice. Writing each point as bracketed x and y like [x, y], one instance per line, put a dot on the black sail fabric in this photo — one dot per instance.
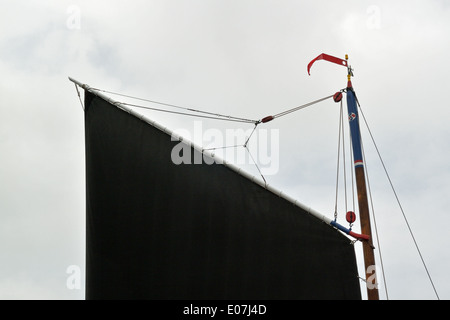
[158, 230]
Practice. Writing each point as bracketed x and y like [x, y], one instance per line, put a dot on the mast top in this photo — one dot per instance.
[349, 73]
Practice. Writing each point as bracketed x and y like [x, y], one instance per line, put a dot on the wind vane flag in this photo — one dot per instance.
[329, 58]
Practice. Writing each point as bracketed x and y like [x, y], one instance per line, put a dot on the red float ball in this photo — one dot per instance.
[350, 216]
[337, 96]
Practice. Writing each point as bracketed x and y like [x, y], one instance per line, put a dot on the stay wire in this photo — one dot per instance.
[79, 96]
[238, 119]
[224, 147]
[245, 146]
[398, 201]
[232, 119]
[300, 107]
[344, 164]
[217, 116]
[366, 173]
[246, 141]
[257, 167]
[237, 145]
[338, 163]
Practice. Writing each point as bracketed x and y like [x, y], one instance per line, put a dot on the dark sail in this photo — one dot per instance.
[157, 230]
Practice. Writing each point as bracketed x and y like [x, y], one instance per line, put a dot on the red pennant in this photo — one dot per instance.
[327, 57]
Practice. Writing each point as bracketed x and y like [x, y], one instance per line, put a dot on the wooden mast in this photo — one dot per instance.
[366, 237]
[368, 248]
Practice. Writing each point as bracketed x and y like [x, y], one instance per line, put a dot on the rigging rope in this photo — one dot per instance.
[79, 96]
[343, 158]
[337, 166]
[211, 115]
[300, 107]
[366, 173]
[257, 167]
[223, 118]
[217, 115]
[246, 141]
[224, 147]
[398, 201]
[341, 137]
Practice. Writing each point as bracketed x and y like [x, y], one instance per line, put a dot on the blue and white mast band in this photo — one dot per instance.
[354, 128]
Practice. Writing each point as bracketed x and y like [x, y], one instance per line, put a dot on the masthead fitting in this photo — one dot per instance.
[349, 73]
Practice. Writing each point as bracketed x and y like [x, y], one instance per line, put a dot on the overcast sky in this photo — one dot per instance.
[239, 57]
